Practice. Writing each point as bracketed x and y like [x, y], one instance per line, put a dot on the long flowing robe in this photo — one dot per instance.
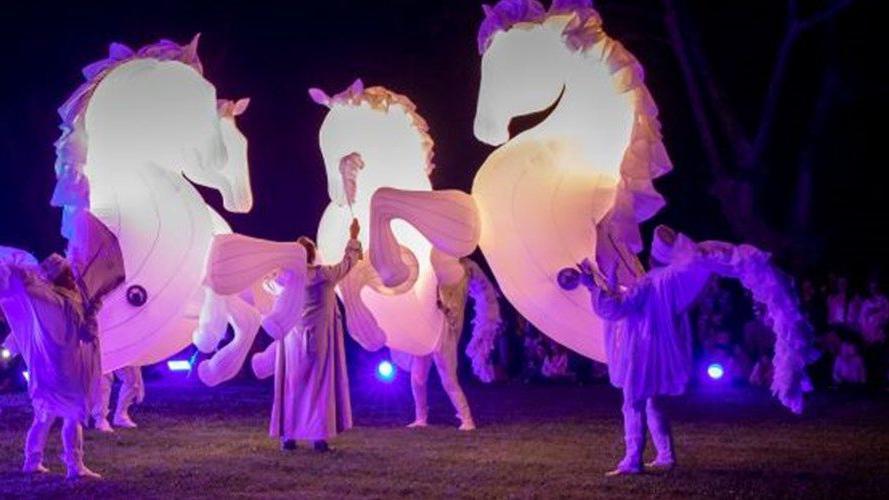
[311, 400]
[57, 340]
[647, 334]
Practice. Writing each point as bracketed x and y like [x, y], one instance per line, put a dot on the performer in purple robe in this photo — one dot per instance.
[55, 332]
[648, 345]
[52, 313]
[312, 400]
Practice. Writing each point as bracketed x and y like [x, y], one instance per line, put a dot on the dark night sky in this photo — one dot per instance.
[273, 51]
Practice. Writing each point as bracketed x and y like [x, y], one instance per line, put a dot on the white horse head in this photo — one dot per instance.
[532, 60]
[383, 128]
[392, 141]
[524, 66]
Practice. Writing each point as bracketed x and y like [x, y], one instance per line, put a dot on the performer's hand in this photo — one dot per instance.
[589, 276]
[587, 280]
[585, 266]
[94, 307]
[354, 229]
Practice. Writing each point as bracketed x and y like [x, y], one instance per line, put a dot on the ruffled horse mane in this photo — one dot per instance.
[583, 30]
[72, 188]
[381, 99]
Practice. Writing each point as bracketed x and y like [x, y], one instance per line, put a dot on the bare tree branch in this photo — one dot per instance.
[825, 14]
[731, 126]
[711, 148]
[770, 105]
[795, 27]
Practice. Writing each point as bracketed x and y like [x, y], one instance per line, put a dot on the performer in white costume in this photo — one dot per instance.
[648, 345]
[311, 399]
[452, 303]
[54, 330]
[132, 390]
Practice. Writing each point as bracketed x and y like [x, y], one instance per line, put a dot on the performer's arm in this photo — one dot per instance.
[352, 255]
[609, 300]
[614, 305]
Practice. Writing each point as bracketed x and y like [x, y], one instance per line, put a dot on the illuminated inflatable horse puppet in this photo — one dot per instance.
[579, 182]
[377, 154]
[142, 126]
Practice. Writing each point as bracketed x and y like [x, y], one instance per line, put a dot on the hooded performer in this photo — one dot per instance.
[311, 383]
[452, 292]
[648, 345]
[55, 331]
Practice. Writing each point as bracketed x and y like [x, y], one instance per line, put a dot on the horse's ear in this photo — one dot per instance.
[357, 86]
[240, 106]
[191, 50]
[319, 96]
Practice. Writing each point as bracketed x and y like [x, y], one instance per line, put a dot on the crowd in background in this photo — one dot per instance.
[733, 332]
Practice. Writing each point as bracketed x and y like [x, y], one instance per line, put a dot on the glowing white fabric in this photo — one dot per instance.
[141, 123]
[542, 194]
[390, 296]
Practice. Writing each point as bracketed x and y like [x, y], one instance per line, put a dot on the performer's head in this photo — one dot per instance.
[58, 271]
[662, 246]
[310, 247]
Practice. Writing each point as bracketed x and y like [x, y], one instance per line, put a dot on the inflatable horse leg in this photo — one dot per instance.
[448, 219]
[360, 321]
[227, 362]
[212, 322]
[263, 363]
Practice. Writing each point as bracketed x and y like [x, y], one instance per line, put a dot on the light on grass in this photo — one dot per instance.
[385, 371]
[715, 371]
[179, 365]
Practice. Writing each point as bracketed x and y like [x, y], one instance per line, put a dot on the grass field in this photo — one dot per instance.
[533, 441]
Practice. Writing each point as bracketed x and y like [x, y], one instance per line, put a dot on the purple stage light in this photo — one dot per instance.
[385, 371]
[179, 365]
[5, 354]
[715, 371]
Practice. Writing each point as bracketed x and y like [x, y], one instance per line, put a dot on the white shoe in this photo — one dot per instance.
[626, 467]
[82, 471]
[467, 425]
[623, 470]
[417, 423]
[102, 425]
[124, 420]
[37, 468]
[662, 465]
